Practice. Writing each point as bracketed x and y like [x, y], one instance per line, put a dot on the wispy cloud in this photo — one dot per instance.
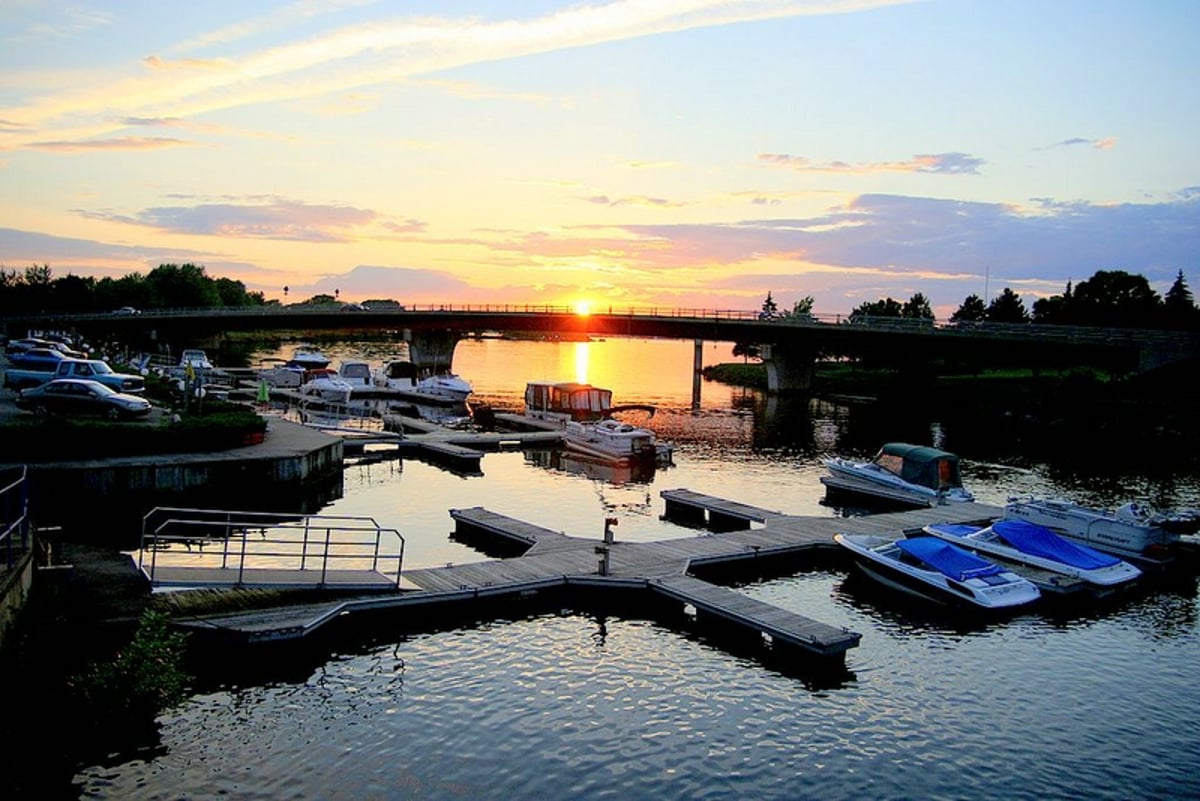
[940, 163]
[339, 59]
[1107, 143]
[122, 143]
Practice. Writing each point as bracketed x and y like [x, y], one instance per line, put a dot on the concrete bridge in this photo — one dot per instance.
[790, 345]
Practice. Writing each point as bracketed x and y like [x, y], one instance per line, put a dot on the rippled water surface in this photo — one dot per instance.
[1054, 704]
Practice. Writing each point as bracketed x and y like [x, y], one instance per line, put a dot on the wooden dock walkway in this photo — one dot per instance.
[555, 560]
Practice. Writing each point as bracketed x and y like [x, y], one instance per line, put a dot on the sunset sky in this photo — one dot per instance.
[667, 153]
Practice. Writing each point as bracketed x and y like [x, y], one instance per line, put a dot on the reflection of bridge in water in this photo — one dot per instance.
[790, 345]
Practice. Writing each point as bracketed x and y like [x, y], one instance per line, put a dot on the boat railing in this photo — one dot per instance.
[14, 517]
[240, 541]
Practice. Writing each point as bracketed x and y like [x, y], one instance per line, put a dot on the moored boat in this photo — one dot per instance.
[308, 358]
[357, 374]
[938, 571]
[1024, 543]
[326, 385]
[402, 375]
[917, 475]
[1133, 530]
[584, 413]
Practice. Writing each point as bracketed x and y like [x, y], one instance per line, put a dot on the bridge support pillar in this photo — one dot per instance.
[432, 350]
[789, 369]
[697, 372]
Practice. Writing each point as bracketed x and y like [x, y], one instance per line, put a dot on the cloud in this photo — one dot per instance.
[1108, 143]
[941, 163]
[327, 59]
[123, 143]
[278, 219]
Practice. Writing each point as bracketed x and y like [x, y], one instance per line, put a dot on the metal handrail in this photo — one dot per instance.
[19, 524]
[245, 539]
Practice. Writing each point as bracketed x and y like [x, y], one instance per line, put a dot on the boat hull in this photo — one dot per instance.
[872, 555]
[1141, 540]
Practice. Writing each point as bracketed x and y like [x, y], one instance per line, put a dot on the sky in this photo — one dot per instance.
[688, 154]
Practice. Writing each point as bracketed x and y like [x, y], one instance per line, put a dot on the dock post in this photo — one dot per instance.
[697, 372]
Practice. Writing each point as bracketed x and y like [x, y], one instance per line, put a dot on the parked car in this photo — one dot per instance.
[23, 344]
[80, 397]
[37, 359]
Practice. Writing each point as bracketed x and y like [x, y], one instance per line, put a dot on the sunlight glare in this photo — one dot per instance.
[583, 307]
[581, 362]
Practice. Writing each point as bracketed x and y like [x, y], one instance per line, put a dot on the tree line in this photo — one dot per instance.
[1109, 299]
[167, 286]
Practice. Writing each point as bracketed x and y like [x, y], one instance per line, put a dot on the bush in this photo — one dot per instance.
[217, 426]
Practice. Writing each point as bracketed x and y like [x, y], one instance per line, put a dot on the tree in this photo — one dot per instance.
[879, 308]
[972, 310]
[802, 308]
[917, 308]
[770, 310]
[747, 351]
[1179, 310]
[1007, 307]
[1114, 298]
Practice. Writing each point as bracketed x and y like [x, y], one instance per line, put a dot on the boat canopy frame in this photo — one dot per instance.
[921, 464]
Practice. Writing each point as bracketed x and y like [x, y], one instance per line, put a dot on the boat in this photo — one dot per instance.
[611, 439]
[938, 571]
[403, 375]
[1024, 543]
[584, 413]
[1134, 530]
[283, 375]
[326, 385]
[917, 475]
[357, 374]
[308, 358]
[195, 358]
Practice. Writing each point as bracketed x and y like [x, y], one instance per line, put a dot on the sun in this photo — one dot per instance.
[583, 307]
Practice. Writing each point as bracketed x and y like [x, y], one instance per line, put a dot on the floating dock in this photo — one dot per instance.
[661, 570]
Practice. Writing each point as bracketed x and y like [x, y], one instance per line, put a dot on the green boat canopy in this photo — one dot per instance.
[920, 464]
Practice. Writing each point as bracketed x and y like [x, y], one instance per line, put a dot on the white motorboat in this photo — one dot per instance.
[403, 375]
[611, 439]
[1023, 543]
[357, 374]
[918, 475]
[938, 571]
[283, 375]
[1133, 530]
[326, 385]
[308, 358]
[195, 358]
[584, 413]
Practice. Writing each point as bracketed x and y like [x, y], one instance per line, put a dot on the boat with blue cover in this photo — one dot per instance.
[939, 571]
[1024, 543]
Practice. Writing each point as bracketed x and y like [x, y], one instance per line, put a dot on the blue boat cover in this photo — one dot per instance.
[1038, 540]
[947, 559]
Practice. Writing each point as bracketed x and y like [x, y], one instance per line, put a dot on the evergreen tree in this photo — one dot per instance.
[1007, 307]
[1179, 310]
[972, 310]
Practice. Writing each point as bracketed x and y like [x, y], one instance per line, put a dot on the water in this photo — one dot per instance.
[1095, 703]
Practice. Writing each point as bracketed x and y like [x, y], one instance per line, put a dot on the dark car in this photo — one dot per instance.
[81, 397]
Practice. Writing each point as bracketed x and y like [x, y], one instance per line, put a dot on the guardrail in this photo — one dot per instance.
[14, 517]
[238, 541]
